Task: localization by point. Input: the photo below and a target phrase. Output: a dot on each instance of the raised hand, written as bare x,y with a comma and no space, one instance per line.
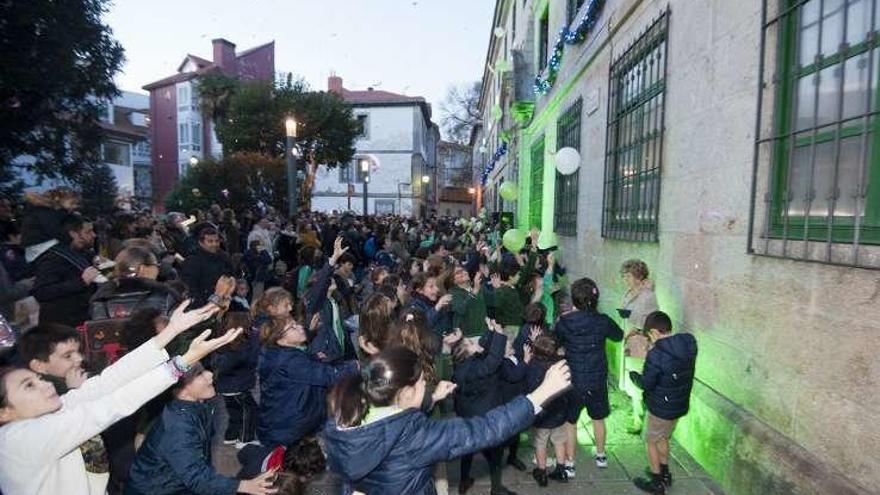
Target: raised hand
494,326
224,287
338,251
201,346
495,280
443,302
443,390
182,320
261,485
451,338
557,379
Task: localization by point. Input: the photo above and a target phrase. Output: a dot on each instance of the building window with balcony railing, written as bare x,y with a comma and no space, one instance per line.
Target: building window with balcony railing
636,105
818,164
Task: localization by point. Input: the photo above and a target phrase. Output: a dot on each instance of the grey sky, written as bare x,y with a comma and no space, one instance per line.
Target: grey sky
416,47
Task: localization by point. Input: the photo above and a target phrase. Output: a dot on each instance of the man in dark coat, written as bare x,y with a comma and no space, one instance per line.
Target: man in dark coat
201,270
667,379
64,276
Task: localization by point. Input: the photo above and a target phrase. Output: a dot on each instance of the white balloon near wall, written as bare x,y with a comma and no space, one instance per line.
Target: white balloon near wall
568,160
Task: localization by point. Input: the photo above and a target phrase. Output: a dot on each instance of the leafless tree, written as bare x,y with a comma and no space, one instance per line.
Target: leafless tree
460,112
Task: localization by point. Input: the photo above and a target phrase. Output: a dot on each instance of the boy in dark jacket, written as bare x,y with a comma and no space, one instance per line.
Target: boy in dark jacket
236,369
476,375
550,423
176,456
667,380
583,333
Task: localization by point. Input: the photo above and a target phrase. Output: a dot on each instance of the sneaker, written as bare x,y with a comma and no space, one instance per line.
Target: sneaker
540,476
516,463
559,474
653,485
601,461
569,470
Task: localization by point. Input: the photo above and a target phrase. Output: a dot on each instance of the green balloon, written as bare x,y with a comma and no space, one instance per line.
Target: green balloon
508,191
514,240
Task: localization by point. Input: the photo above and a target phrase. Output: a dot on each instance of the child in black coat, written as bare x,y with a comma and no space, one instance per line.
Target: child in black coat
551,423
667,380
236,369
476,374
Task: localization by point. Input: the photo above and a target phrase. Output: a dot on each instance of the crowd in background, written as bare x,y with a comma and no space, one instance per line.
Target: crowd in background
377,347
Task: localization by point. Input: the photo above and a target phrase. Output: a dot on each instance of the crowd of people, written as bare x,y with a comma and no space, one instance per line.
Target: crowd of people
376,347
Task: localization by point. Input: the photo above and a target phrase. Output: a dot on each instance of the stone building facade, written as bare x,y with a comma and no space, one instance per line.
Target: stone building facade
730,145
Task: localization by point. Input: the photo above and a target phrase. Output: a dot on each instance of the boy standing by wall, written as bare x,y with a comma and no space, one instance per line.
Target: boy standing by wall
667,380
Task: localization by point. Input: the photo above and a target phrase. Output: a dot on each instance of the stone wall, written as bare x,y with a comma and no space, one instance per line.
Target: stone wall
788,374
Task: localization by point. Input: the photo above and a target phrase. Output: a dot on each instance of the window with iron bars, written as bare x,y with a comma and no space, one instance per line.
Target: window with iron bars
636,107
818,155
536,189
568,135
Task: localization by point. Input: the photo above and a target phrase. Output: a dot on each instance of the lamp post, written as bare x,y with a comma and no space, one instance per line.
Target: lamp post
472,191
365,171
426,179
289,155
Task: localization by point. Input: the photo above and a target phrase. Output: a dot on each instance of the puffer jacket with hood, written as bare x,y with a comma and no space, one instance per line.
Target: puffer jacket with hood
395,455
668,376
583,334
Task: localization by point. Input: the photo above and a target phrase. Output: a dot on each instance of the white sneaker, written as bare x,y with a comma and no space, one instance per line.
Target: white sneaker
569,470
601,461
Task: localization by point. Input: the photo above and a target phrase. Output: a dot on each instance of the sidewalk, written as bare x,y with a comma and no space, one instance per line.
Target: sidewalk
626,460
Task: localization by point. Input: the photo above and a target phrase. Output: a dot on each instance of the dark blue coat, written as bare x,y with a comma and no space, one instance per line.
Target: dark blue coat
477,377
438,321
175,459
555,412
293,392
235,370
395,455
325,341
583,334
668,376
512,378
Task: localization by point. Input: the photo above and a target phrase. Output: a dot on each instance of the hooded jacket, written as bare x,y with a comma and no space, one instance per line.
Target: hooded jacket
478,378
583,335
668,376
395,455
293,391
176,456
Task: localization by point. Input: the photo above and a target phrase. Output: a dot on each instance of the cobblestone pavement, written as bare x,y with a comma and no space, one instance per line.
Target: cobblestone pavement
626,460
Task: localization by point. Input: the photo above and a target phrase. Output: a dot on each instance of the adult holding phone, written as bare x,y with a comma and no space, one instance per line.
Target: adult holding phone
639,300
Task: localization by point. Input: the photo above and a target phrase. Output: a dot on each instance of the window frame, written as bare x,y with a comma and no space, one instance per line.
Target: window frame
828,227
566,187
626,113
543,39
536,184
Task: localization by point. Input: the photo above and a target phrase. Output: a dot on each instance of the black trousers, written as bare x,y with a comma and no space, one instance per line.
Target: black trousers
119,442
242,411
493,456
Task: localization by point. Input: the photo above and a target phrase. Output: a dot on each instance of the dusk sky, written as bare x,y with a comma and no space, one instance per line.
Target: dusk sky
417,47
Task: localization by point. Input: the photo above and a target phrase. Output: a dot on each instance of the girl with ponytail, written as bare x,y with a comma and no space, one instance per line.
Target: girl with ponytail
380,441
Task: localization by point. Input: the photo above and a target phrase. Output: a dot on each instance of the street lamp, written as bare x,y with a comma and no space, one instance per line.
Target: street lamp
289,155
426,179
472,191
193,161
365,172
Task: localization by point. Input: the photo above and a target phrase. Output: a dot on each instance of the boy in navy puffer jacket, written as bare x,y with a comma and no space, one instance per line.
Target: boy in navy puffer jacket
583,333
667,379
236,370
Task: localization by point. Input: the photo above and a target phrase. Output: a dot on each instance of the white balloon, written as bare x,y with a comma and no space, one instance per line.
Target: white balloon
568,160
